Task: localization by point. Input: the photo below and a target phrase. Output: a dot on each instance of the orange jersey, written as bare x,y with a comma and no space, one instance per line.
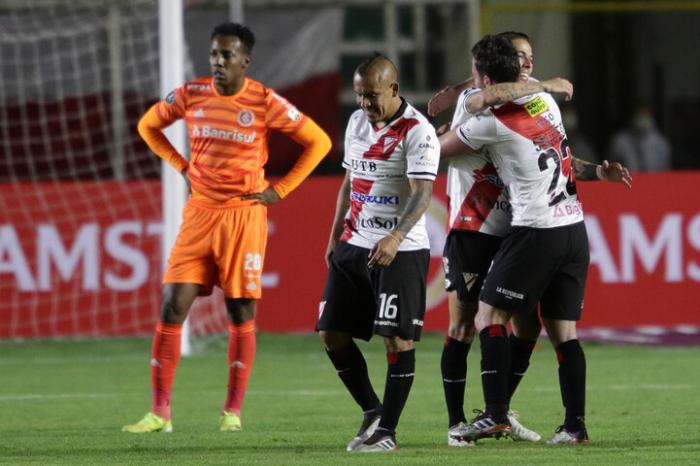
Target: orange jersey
228,135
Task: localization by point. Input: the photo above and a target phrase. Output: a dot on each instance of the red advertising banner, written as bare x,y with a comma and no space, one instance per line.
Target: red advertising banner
83,259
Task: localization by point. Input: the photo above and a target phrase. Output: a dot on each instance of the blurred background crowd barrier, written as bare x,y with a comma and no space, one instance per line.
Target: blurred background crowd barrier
80,194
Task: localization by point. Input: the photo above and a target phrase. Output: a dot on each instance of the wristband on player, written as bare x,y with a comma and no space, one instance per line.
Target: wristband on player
599,172
393,234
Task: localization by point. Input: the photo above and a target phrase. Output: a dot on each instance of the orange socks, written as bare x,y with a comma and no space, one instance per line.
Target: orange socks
241,354
164,358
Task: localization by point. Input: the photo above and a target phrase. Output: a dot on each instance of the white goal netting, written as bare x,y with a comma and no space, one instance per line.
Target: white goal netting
80,195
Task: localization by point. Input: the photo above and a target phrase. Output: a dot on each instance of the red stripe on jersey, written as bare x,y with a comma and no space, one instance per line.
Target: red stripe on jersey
385,145
480,200
357,186
537,129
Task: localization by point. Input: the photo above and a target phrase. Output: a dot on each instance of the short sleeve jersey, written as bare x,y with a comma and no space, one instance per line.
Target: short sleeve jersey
228,134
478,200
527,143
380,162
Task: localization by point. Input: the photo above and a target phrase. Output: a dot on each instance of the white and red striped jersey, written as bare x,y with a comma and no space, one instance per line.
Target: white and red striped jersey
478,200
380,162
527,144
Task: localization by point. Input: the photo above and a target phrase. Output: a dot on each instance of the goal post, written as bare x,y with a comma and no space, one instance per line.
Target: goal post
172,75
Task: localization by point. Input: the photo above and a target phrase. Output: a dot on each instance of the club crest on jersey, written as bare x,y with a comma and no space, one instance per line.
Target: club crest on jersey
389,141
536,107
245,118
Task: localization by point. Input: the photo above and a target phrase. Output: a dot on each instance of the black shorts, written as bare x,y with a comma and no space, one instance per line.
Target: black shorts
387,301
466,260
545,265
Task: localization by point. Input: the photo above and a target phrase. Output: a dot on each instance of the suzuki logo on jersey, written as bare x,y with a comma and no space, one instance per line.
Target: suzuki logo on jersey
379,222
364,165
480,176
207,131
372,199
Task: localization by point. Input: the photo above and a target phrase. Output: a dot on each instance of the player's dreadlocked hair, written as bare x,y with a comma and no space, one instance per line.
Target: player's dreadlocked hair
234,29
495,57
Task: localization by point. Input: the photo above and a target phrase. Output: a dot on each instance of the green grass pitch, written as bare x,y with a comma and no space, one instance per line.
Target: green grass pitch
64,403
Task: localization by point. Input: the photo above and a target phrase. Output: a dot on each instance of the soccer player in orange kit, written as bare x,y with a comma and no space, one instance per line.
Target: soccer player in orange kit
224,230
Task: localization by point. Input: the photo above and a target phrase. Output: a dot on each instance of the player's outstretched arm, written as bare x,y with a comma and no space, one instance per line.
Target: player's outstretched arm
613,172
316,145
505,92
150,127
342,204
451,145
447,96
384,251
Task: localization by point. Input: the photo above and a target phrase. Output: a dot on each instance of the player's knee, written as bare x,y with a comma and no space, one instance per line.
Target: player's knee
464,332
397,344
334,340
461,325
240,310
173,312
527,330
560,331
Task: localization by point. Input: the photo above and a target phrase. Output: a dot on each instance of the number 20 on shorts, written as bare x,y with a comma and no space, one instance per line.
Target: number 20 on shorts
252,261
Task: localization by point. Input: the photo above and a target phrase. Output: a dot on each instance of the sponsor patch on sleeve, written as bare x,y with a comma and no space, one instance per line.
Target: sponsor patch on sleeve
535,107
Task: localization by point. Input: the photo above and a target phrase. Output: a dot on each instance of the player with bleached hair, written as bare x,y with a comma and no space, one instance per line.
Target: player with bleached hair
378,250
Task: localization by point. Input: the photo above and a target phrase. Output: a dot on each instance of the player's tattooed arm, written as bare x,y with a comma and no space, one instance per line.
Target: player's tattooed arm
417,204
613,172
505,92
384,251
584,171
342,205
447,97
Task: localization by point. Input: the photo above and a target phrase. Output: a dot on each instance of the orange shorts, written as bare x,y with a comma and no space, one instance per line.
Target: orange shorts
220,246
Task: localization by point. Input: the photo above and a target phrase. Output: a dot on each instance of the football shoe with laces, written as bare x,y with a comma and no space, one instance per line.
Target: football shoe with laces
229,422
519,432
457,441
562,436
482,426
380,440
367,428
149,423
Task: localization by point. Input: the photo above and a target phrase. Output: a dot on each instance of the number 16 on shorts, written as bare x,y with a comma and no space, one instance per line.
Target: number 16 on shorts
387,307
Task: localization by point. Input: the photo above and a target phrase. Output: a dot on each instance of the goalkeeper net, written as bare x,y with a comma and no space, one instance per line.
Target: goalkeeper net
80,203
